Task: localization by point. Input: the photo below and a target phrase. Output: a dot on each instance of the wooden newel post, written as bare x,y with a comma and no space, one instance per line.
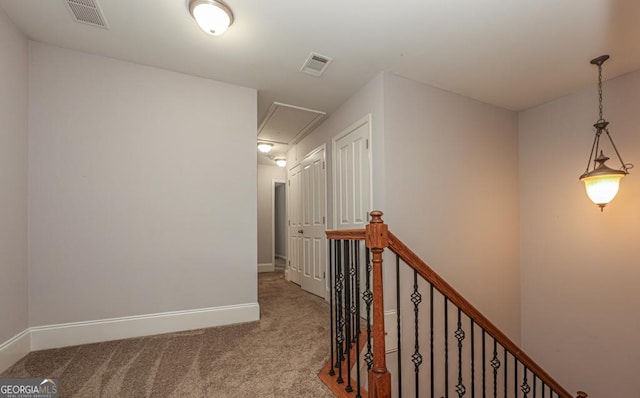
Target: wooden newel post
377,239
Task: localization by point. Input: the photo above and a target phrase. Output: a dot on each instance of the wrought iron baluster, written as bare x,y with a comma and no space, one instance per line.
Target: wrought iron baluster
357,303
484,364
416,358
535,383
431,340
347,308
354,296
459,333
473,369
332,289
367,296
543,388
446,347
398,334
526,389
515,377
506,370
495,364
339,319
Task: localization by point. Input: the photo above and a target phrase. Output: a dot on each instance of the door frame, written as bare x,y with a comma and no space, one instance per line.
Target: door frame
274,182
317,149
366,119
287,273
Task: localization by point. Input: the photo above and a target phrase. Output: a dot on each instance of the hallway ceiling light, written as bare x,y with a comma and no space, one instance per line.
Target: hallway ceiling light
602,182
264,147
281,162
212,16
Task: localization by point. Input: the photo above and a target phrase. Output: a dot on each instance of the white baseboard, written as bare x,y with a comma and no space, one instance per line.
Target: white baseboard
69,334
281,256
13,349
53,336
266,267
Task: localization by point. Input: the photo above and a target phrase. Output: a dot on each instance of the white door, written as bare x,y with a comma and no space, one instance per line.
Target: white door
352,183
313,186
294,204
352,176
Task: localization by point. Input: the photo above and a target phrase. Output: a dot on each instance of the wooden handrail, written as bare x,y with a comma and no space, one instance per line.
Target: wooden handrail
415,262
345,234
378,238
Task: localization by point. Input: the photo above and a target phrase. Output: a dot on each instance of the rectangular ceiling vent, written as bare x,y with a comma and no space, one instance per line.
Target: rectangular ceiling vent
87,11
316,64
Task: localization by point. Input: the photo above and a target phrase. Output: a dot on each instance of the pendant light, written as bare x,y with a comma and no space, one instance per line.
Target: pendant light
602,182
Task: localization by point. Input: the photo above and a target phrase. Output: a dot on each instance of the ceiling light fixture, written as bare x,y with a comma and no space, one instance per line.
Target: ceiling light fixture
281,162
214,17
602,182
264,147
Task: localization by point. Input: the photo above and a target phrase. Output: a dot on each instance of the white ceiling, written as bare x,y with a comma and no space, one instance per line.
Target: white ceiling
514,54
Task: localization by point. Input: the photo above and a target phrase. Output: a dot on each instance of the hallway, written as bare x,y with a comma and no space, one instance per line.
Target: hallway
279,356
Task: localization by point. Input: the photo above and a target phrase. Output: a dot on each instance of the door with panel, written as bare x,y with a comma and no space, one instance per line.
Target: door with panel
294,204
352,182
313,187
352,176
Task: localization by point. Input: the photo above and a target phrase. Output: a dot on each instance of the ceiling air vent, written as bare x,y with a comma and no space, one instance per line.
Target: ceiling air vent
87,11
316,64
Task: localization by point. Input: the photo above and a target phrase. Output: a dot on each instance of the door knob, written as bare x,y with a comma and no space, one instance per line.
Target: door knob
300,231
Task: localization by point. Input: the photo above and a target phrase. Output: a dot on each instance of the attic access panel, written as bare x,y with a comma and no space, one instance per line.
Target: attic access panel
288,124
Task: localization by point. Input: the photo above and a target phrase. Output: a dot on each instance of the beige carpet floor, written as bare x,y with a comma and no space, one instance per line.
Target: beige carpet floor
279,356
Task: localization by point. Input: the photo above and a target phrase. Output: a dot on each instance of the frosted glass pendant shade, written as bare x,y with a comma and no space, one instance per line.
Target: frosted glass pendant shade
602,183
602,189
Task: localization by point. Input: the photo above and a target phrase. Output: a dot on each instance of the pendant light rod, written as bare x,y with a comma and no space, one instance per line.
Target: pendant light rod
602,125
599,61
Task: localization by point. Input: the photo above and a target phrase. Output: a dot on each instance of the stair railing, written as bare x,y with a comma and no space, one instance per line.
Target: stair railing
467,354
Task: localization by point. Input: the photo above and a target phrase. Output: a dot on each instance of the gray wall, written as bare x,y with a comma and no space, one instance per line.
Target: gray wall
13,180
130,171
581,267
451,166
429,149
445,173
266,175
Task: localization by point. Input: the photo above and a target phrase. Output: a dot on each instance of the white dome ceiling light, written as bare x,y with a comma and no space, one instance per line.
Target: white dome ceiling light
212,16
265,147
